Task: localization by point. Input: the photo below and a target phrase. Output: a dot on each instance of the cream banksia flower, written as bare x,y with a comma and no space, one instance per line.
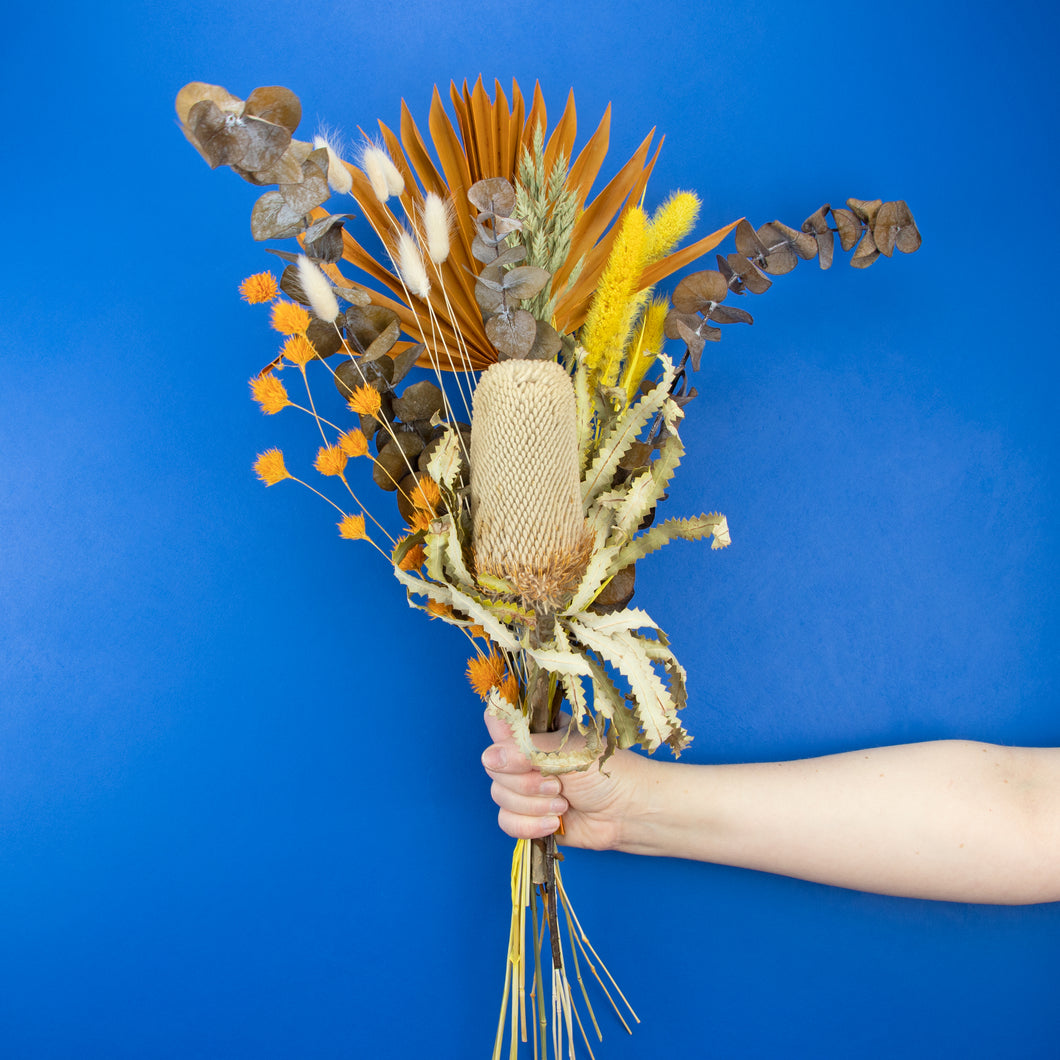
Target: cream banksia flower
528,524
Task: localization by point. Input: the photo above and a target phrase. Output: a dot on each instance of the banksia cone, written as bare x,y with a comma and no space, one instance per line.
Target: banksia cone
528,525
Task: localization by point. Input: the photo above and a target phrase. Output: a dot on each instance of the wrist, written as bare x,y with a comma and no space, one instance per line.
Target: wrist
641,818
666,811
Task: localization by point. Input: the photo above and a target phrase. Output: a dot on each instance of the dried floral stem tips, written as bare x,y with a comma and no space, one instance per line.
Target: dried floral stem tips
289,318
528,526
259,288
352,528
270,468
485,672
269,393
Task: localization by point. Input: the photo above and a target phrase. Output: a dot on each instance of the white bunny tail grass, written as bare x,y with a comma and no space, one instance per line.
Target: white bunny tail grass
410,266
382,174
339,179
317,289
437,221
528,524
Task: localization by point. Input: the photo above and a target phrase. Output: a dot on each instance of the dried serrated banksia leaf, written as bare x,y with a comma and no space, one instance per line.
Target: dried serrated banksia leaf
528,526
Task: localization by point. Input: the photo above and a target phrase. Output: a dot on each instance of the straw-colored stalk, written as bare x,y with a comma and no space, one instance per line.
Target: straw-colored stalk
528,525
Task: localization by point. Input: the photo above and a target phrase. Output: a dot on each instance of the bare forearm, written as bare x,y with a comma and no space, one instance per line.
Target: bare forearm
950,820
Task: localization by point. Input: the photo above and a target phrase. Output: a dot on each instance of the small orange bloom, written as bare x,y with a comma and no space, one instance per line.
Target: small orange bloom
485,672
354,443
261,287
269,393
420,520
331,460
365,400
289,318
270,468
298,350
414,558
352,528
425,494
509,689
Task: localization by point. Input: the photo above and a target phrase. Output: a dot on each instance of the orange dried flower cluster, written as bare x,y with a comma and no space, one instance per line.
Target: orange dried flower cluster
421,520
485,672
365,400
413,559
269,393
261,287
425,494
352,528
298,350
331,460
270,468
354,443
509,689
289,318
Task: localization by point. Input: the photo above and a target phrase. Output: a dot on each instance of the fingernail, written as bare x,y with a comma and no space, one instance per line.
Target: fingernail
550,786
494,757
558,805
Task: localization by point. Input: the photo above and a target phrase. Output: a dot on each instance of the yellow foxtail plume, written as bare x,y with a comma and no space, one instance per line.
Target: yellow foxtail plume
616,303
645,347
670,223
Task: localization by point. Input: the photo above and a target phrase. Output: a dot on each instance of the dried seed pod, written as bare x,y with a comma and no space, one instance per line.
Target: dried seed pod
528,524
513,334
746,275
780,257
396,459
894,227
866,253
420,401
700,291
617,593
865,209
848,226
817,225
747,242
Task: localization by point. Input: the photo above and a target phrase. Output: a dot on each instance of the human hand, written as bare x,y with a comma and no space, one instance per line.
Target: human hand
593,804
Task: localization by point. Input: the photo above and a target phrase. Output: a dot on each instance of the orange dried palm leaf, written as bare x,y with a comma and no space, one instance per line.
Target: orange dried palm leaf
600,214
432,180
454,164
576,300
481,131
411,196
515,126
418,155
538,116
685,256
461,294
461,108
562,139
587,165
502,116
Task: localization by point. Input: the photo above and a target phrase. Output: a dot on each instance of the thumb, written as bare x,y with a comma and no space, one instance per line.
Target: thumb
500,731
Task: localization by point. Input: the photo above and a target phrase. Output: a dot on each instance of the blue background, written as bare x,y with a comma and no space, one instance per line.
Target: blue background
241,812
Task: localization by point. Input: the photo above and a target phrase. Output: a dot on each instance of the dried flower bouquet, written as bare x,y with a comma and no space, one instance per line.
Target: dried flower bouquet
525,519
